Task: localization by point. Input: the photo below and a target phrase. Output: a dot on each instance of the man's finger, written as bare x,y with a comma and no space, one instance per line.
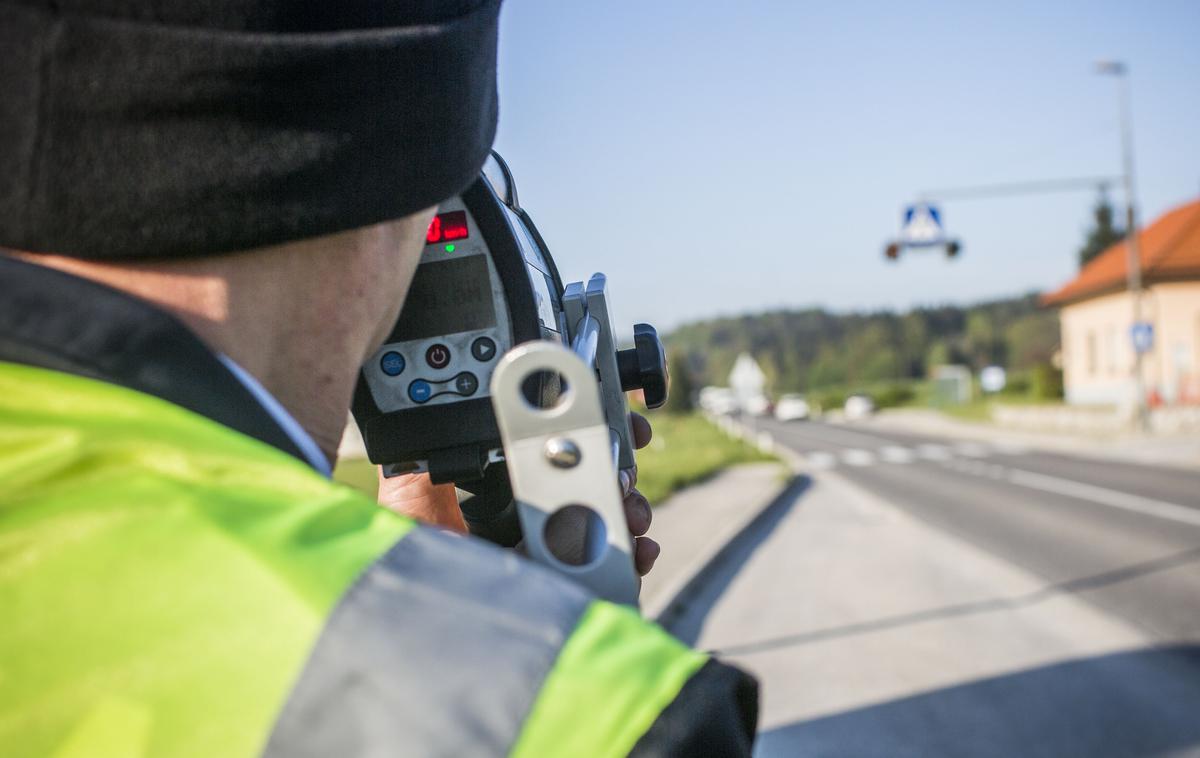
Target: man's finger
637,513
645,553
641,430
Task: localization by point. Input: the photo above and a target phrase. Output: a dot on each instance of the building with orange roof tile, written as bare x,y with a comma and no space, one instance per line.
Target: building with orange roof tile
1096,318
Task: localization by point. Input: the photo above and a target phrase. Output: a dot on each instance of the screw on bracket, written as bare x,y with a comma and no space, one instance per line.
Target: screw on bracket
562,452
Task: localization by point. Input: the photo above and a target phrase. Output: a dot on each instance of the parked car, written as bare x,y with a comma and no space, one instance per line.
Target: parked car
756,405
792,408
858,406
718,400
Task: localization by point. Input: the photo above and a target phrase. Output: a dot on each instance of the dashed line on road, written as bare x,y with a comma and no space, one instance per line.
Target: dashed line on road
934,452
897,454
972,450
1009,448
858,457
821,459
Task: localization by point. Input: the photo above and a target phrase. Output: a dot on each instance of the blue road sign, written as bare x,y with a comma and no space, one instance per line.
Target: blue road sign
922,226
1142,334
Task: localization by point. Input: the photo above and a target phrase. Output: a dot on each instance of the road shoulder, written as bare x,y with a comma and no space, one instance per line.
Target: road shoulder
695,524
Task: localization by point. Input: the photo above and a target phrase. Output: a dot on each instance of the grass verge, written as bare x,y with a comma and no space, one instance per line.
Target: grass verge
686,449
359,473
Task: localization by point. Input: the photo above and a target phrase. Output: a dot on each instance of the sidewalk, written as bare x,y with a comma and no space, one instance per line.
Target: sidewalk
874,634
1179,450
694,524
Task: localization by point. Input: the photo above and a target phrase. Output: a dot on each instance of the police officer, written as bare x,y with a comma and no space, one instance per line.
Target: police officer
211,211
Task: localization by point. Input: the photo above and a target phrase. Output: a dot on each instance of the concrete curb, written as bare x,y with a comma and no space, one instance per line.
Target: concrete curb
669,600
673,602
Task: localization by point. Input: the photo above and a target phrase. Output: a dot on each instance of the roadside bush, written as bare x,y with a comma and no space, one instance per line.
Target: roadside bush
1046,382
828,400
894,396
1019,383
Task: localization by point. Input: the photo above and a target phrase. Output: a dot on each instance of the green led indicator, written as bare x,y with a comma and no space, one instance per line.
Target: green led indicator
449,248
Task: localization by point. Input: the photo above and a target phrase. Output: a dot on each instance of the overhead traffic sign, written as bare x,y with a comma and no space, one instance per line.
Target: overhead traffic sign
922,226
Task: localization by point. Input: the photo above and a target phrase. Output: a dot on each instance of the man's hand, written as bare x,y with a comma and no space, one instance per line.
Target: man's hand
414,495
637,507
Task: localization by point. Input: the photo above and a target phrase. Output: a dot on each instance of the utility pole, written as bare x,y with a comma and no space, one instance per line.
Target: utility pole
1132,243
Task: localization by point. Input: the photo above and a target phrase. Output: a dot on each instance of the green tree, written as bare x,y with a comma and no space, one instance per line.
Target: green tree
680,397
1103,233
915,335
983,340
1031,340
829,369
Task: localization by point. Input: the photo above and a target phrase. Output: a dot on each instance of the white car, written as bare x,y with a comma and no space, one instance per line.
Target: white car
858,406
792,408
718,400
756,405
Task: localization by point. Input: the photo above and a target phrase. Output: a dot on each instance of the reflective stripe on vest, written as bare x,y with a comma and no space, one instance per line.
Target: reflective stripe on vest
174,584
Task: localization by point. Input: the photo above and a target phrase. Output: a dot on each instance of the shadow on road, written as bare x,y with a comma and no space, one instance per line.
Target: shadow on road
1073,586
1136,703
685,613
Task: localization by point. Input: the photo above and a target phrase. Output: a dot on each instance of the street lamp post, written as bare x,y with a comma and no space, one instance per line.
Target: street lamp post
1132,243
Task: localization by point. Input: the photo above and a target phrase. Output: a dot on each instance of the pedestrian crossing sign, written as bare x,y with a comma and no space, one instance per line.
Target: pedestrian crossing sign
922,226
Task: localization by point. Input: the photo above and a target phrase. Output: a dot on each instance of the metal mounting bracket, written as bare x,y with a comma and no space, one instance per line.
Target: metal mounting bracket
563,456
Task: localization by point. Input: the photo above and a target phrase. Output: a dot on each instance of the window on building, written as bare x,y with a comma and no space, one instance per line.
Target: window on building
1110,348
1196,352
1092,361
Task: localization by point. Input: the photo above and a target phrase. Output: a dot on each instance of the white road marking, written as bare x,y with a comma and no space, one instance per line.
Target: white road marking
858,457
896,454
972,450
1010,448
1104,496
821,459
933,452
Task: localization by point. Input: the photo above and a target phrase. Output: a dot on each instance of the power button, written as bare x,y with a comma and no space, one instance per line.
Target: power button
437,356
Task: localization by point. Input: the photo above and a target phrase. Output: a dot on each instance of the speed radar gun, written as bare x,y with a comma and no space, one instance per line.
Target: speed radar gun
501,380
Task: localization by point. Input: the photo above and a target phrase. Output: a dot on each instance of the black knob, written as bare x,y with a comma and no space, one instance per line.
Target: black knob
644,366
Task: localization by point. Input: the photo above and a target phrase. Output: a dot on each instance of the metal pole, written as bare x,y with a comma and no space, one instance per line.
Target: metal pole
1017,188
1133,260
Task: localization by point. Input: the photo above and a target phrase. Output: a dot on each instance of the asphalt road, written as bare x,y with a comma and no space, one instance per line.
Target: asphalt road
1091,525
1056,600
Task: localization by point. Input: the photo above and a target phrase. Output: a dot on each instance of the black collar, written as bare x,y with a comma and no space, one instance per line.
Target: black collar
56,321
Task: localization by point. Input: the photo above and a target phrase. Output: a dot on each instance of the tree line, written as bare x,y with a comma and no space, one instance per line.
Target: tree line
813,349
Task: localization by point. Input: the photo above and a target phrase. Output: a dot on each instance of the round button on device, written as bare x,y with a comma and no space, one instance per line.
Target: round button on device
392,363
420,391
466,383
483,349
437,356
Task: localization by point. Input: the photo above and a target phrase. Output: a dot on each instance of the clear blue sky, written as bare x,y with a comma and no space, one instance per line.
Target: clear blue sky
719,157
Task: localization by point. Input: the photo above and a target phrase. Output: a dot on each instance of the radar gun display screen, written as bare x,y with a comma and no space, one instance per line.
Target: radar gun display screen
447,297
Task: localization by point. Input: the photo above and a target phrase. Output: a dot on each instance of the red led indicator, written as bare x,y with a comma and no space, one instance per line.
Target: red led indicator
447,227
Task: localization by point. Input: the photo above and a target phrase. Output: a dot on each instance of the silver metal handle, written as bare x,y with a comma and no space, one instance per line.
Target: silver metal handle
562,457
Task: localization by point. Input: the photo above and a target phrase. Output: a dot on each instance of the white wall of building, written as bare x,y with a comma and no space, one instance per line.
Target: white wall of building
1098,357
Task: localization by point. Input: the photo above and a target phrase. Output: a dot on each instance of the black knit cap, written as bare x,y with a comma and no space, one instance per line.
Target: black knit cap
171,128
